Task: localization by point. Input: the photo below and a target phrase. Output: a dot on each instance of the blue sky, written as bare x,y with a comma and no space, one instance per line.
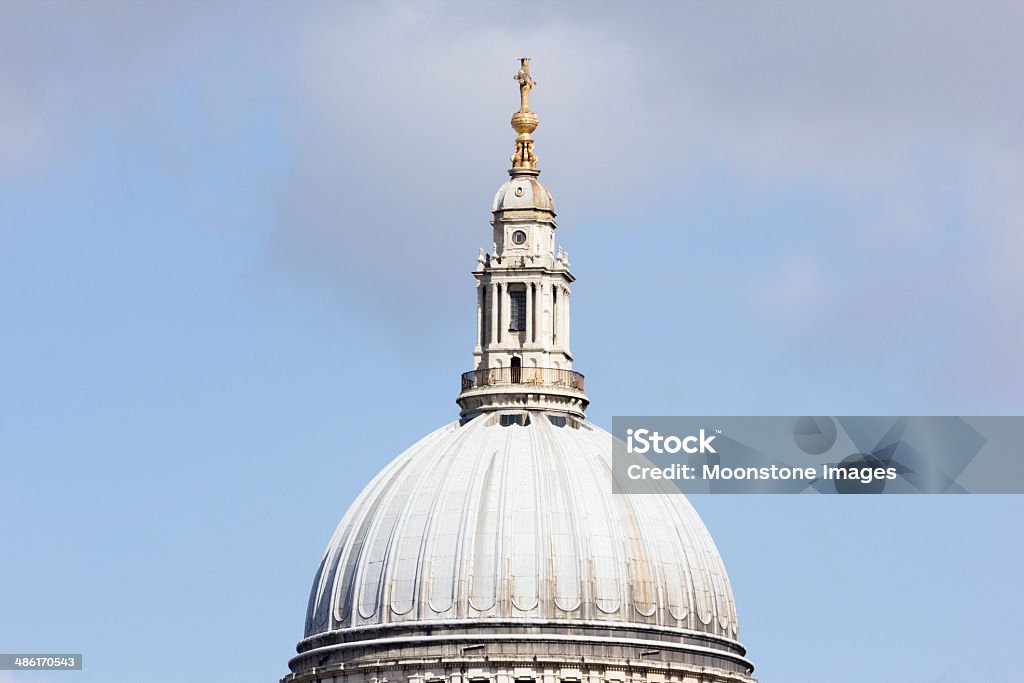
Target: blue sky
234,282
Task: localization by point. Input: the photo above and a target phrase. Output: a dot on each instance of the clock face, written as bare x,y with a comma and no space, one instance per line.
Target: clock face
518,237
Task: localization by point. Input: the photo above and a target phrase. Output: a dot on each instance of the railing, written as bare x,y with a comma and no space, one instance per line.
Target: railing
549,377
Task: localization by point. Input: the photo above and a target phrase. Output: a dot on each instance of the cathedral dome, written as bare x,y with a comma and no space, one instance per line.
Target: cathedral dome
495,524
523,192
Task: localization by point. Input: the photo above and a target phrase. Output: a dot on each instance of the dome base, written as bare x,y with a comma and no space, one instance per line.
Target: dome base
509,652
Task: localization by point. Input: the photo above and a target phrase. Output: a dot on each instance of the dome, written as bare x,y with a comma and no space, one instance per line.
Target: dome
523,192
492,523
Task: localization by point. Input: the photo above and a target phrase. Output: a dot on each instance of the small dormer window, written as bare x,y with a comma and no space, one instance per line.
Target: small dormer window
519,237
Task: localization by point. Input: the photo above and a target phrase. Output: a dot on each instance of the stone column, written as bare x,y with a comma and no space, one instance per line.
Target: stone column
561,317
529,312
493,311
506,309
565,307
538,313
545,315
555,317
537,307
479,318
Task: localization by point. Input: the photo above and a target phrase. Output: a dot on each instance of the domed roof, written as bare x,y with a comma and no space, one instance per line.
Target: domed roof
482,522
523,192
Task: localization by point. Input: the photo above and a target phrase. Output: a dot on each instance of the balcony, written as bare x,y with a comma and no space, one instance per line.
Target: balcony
528,377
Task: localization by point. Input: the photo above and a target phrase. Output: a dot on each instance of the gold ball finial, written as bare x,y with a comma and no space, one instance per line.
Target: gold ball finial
524,122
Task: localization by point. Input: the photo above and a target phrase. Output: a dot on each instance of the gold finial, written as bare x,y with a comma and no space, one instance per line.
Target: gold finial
524,122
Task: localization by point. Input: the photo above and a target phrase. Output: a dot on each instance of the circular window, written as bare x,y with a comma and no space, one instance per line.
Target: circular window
519,237
519,191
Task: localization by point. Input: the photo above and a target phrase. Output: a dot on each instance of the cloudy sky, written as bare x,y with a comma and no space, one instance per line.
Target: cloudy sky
234,255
